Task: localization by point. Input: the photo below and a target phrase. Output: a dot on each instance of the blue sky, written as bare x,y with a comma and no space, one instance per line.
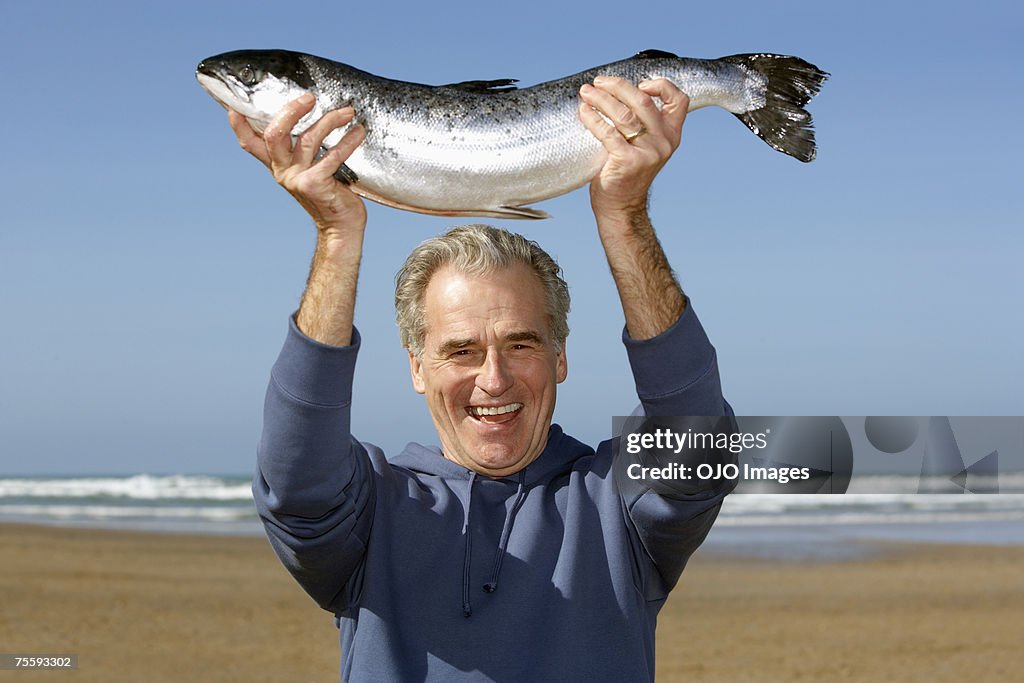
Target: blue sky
147,265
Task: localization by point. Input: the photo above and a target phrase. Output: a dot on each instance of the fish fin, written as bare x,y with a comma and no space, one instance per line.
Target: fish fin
507,212
783,122
521,212
499,212
485,87
346,175
655,54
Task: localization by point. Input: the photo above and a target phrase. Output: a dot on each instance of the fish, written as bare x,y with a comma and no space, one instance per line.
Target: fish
488,147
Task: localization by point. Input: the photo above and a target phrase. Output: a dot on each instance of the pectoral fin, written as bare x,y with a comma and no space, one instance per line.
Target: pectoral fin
346,175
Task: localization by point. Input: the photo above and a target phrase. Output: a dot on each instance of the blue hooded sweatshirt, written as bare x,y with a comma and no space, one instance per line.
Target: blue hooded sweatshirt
434,572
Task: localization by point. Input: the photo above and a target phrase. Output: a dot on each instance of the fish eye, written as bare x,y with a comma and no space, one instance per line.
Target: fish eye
247,75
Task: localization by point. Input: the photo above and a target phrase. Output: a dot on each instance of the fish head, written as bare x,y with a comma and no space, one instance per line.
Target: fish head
257,83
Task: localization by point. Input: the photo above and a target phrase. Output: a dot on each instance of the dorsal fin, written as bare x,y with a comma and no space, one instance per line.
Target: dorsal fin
655,54
485,87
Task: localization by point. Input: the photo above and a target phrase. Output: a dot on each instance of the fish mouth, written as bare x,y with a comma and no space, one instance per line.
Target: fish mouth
223,89
205,69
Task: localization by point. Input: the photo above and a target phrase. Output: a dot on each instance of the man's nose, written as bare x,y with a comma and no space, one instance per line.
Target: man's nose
494,376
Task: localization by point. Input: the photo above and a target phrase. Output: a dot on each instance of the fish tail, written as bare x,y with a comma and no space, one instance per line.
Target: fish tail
782,121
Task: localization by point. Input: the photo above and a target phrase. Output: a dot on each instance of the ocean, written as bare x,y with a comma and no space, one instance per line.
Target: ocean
212,504
851,525
797,526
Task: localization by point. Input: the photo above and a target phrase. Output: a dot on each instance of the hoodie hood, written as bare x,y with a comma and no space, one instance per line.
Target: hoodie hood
558,457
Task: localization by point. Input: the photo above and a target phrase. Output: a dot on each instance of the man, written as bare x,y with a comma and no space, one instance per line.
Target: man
509,553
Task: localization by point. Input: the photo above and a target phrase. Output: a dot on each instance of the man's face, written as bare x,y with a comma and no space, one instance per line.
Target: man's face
488,350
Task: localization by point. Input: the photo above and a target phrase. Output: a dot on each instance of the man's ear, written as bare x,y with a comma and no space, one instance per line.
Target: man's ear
416,372
562,365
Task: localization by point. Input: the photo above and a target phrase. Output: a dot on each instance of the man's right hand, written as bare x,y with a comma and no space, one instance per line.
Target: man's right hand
328,304
335,209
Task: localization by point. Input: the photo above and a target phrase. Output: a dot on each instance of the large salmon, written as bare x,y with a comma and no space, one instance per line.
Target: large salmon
488,148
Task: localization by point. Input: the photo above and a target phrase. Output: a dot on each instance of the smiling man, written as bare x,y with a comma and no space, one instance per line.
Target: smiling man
409,551
486,358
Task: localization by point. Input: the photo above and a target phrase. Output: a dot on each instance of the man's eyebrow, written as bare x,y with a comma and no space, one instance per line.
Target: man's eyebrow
454,345
524,335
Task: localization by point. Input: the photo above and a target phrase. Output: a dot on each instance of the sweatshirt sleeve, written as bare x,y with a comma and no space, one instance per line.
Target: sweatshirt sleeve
313,487
676,374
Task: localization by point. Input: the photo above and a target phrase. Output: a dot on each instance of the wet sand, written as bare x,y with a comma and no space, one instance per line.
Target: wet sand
165,607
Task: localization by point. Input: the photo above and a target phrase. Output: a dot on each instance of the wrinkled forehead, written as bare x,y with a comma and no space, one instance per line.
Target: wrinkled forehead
507,297
514,283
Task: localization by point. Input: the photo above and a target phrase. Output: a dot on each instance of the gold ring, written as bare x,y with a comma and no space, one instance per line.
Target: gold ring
634,136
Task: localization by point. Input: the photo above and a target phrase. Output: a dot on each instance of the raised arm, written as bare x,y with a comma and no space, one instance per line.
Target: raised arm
651,298
314,487
328,305
673,363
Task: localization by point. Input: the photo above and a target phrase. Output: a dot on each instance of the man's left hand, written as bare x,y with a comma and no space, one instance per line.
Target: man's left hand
621,188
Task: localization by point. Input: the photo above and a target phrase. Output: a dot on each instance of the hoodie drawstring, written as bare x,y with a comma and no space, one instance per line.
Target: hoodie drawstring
499,557
506,531
467,609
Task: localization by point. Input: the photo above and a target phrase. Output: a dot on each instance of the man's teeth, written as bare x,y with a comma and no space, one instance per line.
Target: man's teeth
500,410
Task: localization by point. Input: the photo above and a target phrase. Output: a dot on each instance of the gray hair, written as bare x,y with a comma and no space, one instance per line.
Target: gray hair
475,250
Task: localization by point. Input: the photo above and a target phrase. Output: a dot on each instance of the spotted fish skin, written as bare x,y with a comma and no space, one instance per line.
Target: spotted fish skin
488,148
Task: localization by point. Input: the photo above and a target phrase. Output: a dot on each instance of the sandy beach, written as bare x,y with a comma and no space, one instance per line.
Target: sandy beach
165,607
